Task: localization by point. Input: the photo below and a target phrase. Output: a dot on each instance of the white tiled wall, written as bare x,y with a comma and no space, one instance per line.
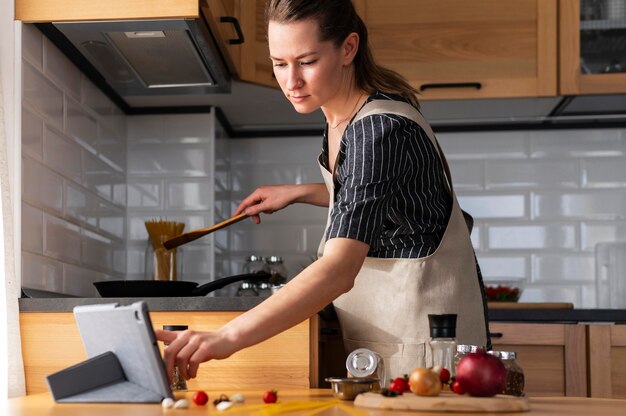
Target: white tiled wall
73,175
170,175
541,201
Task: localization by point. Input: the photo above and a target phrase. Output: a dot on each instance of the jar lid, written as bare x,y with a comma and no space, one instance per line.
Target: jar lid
362,362
175,327
466,348
504,355
273,259
442,326
254,257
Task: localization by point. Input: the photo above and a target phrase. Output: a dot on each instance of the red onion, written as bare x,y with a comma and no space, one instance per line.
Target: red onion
481,374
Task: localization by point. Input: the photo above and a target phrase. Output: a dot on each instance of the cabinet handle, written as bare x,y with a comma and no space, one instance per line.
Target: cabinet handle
496,334
235,22
476,85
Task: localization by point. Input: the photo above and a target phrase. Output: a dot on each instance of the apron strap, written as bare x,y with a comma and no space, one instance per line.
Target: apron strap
406,110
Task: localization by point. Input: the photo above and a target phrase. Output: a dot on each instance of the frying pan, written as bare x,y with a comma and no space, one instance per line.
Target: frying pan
166,288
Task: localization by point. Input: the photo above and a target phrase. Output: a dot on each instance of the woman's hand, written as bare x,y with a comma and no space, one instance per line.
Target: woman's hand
188,349
271,198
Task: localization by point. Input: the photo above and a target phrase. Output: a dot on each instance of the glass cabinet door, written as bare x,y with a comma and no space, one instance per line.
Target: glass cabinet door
592,46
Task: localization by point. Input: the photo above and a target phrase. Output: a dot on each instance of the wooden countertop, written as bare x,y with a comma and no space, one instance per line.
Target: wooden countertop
42,404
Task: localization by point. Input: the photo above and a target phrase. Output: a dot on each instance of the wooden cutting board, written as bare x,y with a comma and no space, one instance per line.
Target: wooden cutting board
445,402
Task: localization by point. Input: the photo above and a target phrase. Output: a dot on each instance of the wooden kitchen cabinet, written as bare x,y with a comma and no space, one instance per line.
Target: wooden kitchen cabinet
467,49
75,10
607,360
553,356
51,342
591,46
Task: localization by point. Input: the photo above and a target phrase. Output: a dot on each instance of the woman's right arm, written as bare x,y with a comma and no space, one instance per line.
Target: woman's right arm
271,198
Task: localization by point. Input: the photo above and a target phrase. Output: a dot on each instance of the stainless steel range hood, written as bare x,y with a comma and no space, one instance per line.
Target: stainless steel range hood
150,57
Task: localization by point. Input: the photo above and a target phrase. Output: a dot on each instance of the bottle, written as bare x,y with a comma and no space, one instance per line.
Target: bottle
443,340
178,382
514,373
253,264
277,270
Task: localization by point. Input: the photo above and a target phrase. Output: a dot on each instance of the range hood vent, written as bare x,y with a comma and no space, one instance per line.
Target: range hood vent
146,57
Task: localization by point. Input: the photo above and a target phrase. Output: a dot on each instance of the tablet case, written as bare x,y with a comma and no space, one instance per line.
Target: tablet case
125,364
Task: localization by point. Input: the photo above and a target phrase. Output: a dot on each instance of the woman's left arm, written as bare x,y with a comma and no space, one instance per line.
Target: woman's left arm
306,294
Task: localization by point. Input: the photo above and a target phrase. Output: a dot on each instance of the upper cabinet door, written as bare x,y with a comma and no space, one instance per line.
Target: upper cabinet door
592,46
467,49
75,10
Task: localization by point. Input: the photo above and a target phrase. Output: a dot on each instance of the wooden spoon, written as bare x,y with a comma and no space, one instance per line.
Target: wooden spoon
195,234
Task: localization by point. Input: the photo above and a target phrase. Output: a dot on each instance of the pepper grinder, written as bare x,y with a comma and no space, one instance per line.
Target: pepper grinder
178,382
443,340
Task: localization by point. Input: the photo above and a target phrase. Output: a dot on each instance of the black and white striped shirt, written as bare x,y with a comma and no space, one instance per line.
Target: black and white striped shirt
390,188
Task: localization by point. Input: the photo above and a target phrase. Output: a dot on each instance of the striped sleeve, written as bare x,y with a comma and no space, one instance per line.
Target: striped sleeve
372,153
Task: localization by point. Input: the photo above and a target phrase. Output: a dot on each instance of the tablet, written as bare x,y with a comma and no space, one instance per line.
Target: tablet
110,333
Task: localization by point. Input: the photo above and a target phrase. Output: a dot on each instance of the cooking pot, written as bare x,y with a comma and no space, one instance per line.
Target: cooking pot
167,288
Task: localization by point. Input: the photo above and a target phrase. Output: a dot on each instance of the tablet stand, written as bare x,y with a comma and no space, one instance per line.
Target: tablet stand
98,379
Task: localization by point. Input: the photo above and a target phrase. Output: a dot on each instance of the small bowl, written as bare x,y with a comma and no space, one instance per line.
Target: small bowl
349,388
504,290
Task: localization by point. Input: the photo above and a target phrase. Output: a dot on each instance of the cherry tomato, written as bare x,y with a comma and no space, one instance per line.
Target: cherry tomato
270,396
456,387
200,398
399,385
444,375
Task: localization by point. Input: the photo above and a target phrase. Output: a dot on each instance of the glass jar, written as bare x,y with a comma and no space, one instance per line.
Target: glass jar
514,373
161,263
253,264
277,270
178,382
464,349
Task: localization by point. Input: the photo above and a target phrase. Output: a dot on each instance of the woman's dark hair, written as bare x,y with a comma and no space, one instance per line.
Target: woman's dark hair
336,19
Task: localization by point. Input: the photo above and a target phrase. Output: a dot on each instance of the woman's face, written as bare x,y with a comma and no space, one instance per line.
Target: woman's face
309,72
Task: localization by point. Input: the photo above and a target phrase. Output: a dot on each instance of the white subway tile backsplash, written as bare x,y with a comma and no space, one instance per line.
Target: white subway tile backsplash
503,267
118,251
197,260
32,229
272,151
79,281
81,125
145,193
189,194
95,100
576,143
41,273
112,148
170,160
467,175
41,95
532,237
249,177
32,45
80,205
62,239
41,187
179,128
280,239
594,232
98,176
485,145
112,219
63,155
553,293
604,173
532,174
564,268
584,205
61,70
491,205
135,260
32,134
96,252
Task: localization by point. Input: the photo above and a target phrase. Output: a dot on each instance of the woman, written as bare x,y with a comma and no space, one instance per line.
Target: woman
396,246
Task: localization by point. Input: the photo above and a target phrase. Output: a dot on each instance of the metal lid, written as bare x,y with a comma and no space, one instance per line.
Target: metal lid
504,355
273,259
466,348
254,257
362,362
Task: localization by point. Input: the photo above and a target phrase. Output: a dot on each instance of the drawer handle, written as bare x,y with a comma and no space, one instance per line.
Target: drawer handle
476,85
235,22
496,334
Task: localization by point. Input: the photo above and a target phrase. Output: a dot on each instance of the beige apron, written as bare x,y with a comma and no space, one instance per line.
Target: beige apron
387,309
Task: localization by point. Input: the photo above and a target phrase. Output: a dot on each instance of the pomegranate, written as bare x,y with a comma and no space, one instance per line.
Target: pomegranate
481,374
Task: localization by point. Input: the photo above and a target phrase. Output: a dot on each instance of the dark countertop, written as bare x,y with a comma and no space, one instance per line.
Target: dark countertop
209,303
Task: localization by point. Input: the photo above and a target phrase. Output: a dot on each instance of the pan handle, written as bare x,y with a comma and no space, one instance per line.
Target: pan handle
207,288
